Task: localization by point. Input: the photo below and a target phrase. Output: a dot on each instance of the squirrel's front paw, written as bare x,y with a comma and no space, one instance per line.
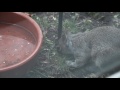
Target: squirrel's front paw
71,64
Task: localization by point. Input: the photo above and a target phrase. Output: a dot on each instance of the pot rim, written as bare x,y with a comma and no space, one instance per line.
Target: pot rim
38,46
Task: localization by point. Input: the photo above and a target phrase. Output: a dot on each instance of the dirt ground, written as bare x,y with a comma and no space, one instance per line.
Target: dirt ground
50,63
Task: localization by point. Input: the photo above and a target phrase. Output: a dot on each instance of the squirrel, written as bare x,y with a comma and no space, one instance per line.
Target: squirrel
97,45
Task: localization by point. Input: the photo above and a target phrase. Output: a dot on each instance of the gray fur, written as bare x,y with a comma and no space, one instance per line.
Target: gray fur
97,45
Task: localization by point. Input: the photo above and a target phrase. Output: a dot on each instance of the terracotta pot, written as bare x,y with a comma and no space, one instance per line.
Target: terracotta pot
20,40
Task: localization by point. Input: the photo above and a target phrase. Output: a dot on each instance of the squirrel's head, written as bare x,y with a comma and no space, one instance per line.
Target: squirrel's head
64,42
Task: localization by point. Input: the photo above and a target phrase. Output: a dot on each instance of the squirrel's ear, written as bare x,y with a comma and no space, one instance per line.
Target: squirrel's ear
63,36
67,33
